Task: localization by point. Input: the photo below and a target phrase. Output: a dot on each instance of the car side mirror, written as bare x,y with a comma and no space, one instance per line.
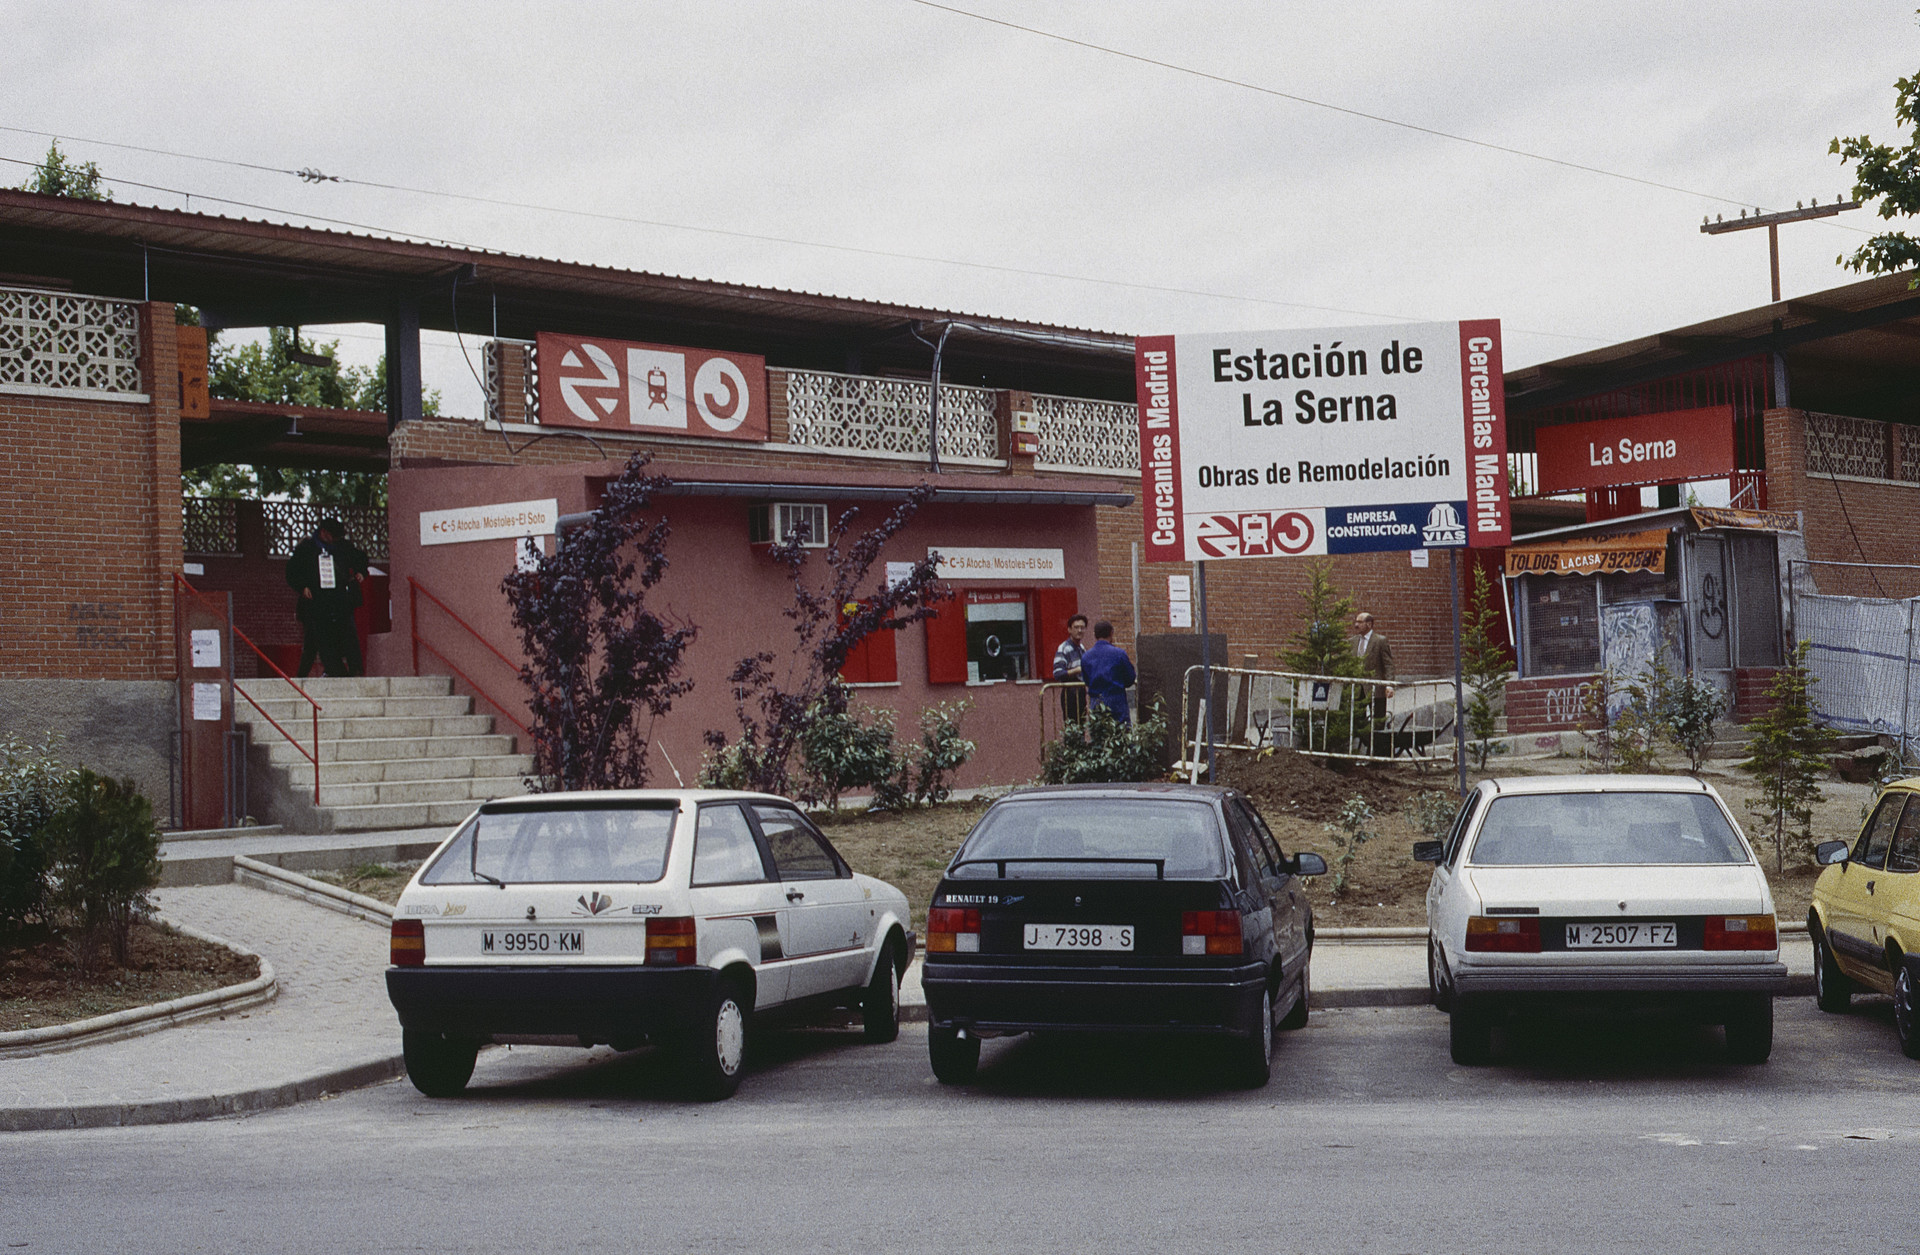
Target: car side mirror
1828,853
1429,851
1305,864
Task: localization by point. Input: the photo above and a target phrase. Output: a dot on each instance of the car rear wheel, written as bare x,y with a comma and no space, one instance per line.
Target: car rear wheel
1750,1030
1470,1033
439,1066
1904,1010
713,1055
955,1057
880,1007
1250,1058
1437,989
1832,988
1296,1017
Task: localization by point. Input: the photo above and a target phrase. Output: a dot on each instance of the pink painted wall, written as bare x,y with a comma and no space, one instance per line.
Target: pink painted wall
730,591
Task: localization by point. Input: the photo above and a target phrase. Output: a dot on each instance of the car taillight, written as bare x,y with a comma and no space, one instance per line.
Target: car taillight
1740,932
670,941
408,943
1210,932
953,930
1503,936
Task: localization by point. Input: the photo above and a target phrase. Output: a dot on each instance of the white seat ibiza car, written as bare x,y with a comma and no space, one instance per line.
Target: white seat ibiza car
676,917
1600,894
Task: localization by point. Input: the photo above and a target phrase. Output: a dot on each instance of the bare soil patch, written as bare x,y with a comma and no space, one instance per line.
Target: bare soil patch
39,988
380,881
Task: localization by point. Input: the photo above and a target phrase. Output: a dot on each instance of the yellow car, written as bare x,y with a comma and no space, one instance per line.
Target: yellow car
1865,920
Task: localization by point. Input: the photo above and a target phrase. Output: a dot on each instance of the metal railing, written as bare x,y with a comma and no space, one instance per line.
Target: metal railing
415,591
180,585
60,342
1323,715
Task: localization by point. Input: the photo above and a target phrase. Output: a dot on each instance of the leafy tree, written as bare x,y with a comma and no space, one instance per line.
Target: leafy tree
829,622
1789,756
1484,663
1891,175
264,371
57,176
597,658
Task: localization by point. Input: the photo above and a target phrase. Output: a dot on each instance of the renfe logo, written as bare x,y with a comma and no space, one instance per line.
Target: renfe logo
618,385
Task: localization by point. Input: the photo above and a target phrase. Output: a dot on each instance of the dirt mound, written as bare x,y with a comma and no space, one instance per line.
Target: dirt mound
1286,783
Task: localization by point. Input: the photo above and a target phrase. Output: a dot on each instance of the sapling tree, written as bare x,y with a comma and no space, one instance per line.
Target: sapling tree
1788,756
1351,828
1484,664
597,658
777,703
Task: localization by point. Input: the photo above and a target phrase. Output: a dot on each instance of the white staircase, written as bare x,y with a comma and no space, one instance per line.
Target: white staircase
395,752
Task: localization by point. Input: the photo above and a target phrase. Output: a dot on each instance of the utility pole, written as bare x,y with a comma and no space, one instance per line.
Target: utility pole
1772,223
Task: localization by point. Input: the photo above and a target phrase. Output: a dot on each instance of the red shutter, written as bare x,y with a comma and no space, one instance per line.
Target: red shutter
1052,607
873,660
947,644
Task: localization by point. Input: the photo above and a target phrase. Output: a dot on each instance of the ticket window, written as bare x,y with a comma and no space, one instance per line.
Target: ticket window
988,635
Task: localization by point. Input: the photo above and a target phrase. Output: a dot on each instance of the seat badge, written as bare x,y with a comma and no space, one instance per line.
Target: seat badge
1623,906
529,915
1076,901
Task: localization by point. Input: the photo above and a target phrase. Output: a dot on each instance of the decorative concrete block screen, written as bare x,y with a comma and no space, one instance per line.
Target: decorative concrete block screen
1077,434
56,342
866,414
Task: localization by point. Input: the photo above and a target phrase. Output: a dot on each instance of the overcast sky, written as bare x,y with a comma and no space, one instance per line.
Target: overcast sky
1153,200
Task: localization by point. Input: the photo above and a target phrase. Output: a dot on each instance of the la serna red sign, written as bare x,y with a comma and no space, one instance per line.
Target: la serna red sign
1665,448
618,385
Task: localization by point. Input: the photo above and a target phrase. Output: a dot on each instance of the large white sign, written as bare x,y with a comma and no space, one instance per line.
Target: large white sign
1001,564
1259,444
489,522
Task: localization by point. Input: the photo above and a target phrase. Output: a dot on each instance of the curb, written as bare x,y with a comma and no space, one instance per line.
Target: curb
138,1021
258,875
204,1107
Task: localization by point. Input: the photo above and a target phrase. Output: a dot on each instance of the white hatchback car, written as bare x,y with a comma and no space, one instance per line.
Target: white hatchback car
668,916
1619,894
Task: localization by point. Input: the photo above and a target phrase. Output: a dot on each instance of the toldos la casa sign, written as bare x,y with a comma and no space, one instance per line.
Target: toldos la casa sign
619,385
1344,440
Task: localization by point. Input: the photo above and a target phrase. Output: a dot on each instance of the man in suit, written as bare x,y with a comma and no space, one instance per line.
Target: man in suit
1376,663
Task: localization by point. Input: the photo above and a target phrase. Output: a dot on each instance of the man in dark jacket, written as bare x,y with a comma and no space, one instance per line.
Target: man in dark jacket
325,573
1107,671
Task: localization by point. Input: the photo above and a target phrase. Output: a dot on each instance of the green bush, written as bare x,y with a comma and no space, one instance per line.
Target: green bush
1099,749
839,752
1350,829
103,852
32,787
925,773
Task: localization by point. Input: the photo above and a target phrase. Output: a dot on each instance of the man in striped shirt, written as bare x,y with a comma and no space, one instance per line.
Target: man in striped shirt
1066,666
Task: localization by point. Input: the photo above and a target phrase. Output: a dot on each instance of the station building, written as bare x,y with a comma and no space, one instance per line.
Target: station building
765,408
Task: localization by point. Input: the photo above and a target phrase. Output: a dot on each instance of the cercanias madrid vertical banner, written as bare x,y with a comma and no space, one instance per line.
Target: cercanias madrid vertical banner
1339,440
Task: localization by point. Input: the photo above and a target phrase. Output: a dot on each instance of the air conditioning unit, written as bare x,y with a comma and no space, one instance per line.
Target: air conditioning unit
788,521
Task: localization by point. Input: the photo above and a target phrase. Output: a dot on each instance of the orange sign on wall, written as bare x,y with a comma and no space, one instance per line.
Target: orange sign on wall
1599,555
1666,448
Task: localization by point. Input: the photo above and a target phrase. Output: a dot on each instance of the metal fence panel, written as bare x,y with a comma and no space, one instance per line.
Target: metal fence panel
1862,658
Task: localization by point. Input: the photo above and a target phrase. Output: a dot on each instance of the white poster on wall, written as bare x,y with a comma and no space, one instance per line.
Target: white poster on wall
961,563
206,702
205,647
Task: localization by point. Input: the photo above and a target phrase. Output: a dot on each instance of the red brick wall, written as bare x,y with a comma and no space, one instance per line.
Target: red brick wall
1845,520
91,527
1548,703
1750,691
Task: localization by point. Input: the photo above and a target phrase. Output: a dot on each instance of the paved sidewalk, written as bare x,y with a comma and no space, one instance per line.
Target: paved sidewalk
331,1028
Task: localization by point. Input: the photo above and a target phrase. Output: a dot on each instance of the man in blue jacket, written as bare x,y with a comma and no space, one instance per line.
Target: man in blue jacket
1107,671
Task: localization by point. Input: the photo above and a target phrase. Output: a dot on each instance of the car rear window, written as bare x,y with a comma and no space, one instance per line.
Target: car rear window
1605,829
1039,831
559,846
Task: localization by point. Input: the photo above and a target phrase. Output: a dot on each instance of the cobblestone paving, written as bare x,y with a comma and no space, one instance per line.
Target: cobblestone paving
332,1013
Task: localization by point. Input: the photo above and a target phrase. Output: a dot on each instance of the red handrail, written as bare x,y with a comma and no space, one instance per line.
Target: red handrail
180,582
415,591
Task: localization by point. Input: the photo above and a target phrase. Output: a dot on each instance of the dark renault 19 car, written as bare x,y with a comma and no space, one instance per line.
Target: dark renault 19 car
1119,908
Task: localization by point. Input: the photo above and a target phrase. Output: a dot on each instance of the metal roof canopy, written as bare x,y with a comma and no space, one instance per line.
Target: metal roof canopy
1851,350
252,274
